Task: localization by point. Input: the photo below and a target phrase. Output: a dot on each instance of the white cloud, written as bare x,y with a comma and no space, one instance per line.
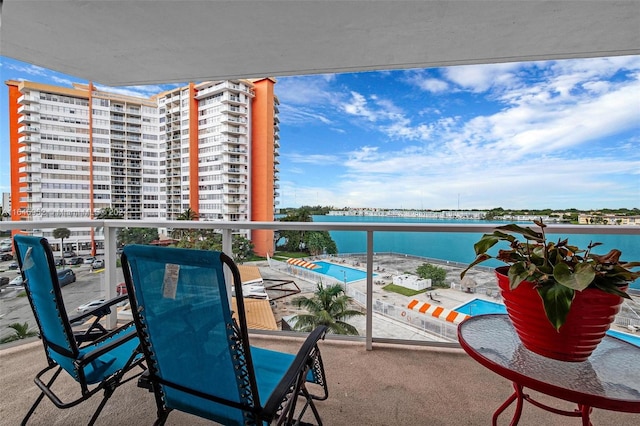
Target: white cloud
434,85
31,70
357,106
298,115
424,80
480,78
62,81
311,158
139,91
309,90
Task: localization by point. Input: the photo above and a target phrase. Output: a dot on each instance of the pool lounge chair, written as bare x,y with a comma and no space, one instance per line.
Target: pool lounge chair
200,360
97,359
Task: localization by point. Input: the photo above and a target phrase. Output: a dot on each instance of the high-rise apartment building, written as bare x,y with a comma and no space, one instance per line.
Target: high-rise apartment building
210,147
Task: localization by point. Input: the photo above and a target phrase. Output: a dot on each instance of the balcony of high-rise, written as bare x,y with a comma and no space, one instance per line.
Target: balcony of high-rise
397,382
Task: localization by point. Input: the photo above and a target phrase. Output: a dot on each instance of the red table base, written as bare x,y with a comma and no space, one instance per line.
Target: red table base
519,396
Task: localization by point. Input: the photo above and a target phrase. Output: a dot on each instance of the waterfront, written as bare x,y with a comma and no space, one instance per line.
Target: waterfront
456,247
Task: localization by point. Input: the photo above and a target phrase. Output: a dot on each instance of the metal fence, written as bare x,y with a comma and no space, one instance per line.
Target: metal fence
401,314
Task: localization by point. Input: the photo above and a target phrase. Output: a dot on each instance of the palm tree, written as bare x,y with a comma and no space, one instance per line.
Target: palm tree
188,214
20,331
328,306
61,233
187,236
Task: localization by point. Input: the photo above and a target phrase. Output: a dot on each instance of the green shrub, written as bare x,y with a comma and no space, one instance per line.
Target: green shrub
435,273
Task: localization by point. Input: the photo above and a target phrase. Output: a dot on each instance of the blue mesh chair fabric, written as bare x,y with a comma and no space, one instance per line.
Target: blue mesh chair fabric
200,360
101,362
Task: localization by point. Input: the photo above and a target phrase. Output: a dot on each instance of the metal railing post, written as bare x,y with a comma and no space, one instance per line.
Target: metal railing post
227,248
369,323
110,272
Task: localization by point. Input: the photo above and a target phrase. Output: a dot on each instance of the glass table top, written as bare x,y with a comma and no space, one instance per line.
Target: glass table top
612,372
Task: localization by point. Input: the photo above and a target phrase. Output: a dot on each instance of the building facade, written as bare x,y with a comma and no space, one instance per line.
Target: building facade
210,147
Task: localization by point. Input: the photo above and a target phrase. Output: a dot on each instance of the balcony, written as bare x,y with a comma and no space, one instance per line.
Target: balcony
28,99
29,139
377,379
28,129
27,107
29,118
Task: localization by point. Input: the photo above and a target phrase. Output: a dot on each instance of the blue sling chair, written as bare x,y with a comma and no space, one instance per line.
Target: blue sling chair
98,360
198,352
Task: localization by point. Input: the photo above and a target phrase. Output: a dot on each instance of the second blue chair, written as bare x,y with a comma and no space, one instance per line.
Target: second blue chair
199,357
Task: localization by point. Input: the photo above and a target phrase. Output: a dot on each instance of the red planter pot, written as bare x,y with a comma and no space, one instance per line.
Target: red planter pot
591,314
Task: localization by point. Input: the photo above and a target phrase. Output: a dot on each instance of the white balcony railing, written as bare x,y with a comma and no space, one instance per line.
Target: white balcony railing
110,228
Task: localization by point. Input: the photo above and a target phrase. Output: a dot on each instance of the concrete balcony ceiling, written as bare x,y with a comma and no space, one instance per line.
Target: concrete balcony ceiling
131,42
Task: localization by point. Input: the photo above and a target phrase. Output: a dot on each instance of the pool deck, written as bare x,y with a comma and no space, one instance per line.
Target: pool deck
386,266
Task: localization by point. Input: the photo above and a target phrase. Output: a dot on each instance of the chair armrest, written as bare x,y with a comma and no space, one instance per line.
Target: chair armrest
98,352
99,311
296,368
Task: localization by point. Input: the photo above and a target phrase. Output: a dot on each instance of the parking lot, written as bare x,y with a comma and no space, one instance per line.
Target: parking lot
14,305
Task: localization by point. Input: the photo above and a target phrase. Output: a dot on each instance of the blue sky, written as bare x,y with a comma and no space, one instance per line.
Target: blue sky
553,134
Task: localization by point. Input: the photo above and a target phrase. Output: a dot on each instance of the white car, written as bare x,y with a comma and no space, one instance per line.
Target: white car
97,264
17,281
88,306
89,260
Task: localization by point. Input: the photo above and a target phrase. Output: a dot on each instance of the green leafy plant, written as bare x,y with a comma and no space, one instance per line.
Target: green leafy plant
557,269
20,331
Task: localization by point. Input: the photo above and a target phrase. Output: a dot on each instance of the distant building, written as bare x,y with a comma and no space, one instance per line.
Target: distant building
212,147
607,219
6,206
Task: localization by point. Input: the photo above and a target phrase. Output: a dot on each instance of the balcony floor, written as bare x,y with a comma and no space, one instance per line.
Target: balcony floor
391,385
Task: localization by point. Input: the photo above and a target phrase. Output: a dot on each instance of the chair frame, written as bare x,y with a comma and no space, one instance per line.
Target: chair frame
280,408
94,334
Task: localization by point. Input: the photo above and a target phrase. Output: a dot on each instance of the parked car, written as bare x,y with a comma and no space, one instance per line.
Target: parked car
61,262
89,260
6,256
17,281
97,264
69,254
14,265
66,276
75,261
88,306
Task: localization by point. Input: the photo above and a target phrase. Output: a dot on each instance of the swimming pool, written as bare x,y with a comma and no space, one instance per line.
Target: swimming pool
480,307
340,272
631,338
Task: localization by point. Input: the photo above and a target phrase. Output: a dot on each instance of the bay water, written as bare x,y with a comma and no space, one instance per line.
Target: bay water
456,247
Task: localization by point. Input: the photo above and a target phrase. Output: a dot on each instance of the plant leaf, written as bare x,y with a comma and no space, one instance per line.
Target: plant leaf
519,272
485,243
581,277
556,299
481,258
528,233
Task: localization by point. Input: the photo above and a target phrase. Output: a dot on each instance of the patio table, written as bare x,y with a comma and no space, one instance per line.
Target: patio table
609,379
